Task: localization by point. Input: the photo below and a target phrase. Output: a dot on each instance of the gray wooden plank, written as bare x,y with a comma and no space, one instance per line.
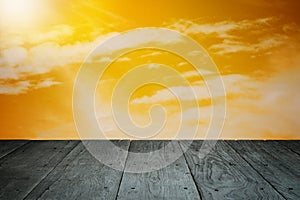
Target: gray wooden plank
222,174
81,176
293,145
21,170
8,146
277,164
171,182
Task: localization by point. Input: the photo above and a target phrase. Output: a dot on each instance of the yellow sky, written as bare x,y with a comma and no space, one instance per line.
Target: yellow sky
254,44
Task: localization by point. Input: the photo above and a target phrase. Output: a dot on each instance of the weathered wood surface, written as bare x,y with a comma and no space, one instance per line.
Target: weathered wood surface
222,174
277,164
7,147
81,176
232,170
293,145
23,169
171,182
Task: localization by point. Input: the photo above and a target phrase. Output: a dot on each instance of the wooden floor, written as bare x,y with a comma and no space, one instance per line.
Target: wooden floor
232,170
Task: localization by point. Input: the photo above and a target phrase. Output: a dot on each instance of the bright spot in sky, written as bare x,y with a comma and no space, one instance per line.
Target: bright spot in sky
21,12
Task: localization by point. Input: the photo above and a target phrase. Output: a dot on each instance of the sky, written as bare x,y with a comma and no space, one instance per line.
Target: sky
255,44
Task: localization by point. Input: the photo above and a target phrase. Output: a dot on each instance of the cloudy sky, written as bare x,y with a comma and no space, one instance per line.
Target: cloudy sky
254,43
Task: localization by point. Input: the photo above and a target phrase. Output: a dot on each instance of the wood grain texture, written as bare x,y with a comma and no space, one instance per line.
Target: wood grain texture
232,170
7,147
276,163
81,176
293,145
222,174
171,182
23,169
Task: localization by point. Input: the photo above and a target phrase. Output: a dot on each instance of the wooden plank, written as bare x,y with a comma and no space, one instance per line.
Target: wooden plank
9,146
171,182
222,174
293,145
23,169
81,176
277,164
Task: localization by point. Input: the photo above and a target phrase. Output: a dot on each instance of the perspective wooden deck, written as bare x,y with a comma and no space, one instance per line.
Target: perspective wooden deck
232,170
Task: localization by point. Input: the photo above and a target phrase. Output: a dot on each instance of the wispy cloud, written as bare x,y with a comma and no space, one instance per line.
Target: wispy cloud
223,29
233,84
184,94
253,36
151,54
46,83
18,63
230,46
261,108
15,87
271,112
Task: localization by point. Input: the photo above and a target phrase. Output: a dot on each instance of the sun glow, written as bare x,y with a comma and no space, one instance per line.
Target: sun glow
20,13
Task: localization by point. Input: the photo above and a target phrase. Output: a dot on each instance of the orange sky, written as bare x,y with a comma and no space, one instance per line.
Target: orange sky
255,45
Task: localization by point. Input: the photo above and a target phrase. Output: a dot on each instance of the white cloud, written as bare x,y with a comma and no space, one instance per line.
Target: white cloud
123,59
17,88
190,74
231,34
44,57
141,38
21,87
232,82
56,34
18,63
151,54
272,112
183,93
153,65
230,46
222,29
13,56
104,59
46,83
182,64
256,109
8,73
195,53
